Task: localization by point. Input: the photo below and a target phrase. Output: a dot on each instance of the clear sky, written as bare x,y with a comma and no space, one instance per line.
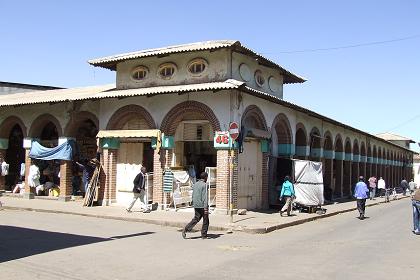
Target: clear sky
374,87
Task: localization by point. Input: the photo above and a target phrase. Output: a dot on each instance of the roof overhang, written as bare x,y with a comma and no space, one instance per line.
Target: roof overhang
144,133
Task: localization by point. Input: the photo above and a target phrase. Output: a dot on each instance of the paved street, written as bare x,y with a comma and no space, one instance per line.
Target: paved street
57,246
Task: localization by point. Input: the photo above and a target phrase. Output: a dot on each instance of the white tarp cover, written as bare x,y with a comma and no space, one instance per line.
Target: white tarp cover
309,185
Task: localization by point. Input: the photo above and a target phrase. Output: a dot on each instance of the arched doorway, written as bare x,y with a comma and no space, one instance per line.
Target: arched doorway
301,150
328,169
338,167
315,150
347,179
280,160
125,162
355,164
253,178
15,156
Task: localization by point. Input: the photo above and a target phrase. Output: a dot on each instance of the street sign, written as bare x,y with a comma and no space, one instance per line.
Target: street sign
233,130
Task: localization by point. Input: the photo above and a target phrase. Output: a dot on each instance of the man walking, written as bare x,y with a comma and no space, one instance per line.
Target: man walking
201,207
416,211
413,186
360,193
139,191
381,186
372,187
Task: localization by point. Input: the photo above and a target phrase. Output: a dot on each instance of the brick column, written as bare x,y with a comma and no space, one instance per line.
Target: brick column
222,181
65,180
108,184
2,178
158,160
29,192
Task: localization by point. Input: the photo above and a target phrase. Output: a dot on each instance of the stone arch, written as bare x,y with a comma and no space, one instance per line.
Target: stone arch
76,119
7,125
348,149
40,122
124,114
338,147
315,138
282,128
362,149
328,143
301,135
254,117
356,147
180,111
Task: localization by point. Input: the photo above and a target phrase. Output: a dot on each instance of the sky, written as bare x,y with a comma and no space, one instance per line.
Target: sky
361,58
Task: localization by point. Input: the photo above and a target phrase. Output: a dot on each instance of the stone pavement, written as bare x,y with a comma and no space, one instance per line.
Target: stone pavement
252,222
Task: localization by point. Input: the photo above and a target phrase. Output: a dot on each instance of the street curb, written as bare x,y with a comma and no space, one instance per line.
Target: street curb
262,230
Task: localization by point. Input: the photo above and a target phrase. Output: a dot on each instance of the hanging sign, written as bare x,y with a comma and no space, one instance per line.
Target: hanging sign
233,130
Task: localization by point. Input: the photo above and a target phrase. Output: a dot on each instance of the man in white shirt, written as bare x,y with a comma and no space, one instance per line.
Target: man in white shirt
381,186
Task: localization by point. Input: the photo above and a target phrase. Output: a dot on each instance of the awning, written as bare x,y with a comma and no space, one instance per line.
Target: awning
144,133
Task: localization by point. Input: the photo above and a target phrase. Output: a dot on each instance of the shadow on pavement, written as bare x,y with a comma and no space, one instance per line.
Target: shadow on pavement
18,242
209,236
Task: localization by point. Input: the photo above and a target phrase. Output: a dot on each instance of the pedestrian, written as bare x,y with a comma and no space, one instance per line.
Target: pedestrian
416,211
360,193
404,186
287,192
87,167
139,191
381,186
372,187
201,207
413,186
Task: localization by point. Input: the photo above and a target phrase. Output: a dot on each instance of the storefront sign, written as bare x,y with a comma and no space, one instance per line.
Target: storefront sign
168,142
110,143
4,143
223,141
234,130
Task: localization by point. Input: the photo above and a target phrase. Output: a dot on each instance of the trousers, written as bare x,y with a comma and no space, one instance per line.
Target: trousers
198,214
288,205
416,215
361,204
141,196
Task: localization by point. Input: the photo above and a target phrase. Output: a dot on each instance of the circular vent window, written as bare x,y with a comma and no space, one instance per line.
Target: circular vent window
244,72
259,79
197,66
139,73
167,70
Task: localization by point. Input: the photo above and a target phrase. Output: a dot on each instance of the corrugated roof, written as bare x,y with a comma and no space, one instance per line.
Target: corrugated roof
394,137
107,91
110,62
145,133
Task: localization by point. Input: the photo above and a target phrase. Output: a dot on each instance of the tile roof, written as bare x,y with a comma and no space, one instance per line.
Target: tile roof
394,137
110,62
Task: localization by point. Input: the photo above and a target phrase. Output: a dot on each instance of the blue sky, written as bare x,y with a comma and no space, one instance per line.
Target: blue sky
373,88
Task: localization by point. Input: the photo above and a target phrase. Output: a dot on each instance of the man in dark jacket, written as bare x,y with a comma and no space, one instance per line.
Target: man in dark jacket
201,207
139,191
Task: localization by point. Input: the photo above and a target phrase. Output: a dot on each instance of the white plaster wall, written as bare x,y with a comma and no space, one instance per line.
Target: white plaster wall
267,72
217,69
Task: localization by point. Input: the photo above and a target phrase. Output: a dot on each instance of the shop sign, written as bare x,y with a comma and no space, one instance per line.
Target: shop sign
168,142
222,140
234,130
110,143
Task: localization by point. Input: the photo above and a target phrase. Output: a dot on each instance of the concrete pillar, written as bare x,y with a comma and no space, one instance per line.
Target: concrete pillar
65,180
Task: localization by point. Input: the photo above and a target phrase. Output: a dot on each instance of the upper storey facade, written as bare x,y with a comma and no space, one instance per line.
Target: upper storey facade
203,62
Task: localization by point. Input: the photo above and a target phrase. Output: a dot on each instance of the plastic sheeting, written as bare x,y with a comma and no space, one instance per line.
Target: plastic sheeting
63,151
309,184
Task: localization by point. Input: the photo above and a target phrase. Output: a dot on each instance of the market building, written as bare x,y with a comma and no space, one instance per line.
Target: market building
168,109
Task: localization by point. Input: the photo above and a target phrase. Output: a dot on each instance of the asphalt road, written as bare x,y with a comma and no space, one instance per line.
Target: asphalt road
53,246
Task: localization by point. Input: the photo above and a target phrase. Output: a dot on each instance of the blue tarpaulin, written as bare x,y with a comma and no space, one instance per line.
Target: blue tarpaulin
63,151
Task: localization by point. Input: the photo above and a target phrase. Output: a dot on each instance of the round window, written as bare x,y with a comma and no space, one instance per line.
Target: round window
167,70
139,73
197,66
245,73
259,79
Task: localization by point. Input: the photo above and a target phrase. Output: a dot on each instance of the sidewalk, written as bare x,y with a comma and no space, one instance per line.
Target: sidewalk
252,222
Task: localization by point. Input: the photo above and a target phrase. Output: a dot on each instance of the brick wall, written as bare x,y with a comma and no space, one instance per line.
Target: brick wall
158,160
222,181
108,177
